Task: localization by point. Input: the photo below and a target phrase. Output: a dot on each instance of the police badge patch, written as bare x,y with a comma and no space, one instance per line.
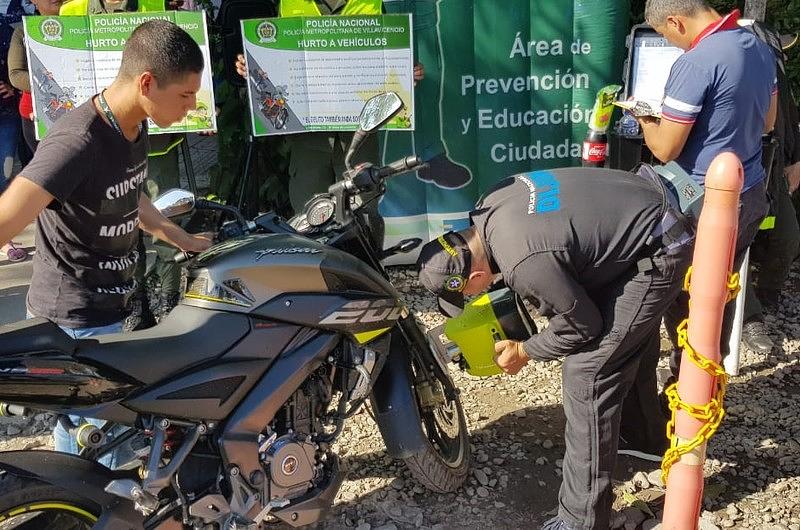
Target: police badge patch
454,283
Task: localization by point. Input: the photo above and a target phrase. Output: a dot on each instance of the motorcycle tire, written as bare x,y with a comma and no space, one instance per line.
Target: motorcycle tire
443,465
28,504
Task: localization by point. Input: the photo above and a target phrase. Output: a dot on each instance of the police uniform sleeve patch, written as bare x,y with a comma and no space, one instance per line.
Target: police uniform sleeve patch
454,283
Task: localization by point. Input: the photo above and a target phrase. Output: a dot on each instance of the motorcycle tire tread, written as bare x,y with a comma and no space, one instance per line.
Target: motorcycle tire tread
429,469
19,492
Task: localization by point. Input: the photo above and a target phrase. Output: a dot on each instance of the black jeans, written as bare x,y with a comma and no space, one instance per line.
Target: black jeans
614,372
753,207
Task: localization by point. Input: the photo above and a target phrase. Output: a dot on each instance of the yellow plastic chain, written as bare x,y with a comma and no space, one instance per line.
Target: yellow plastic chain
733,284
712,412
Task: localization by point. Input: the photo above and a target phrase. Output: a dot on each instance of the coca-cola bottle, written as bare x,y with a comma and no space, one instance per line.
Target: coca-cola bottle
595,147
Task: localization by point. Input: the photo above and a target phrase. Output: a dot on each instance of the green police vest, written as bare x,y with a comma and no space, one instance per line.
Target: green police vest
81,7
308,8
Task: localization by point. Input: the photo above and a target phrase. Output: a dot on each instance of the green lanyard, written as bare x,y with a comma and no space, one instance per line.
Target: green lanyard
110,115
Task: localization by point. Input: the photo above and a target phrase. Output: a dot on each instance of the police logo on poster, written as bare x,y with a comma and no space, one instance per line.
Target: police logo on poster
52,30
266,32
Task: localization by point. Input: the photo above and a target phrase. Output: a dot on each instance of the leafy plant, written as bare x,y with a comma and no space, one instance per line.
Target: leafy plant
268,173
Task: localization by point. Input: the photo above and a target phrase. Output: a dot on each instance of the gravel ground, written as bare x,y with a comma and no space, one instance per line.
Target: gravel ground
516,424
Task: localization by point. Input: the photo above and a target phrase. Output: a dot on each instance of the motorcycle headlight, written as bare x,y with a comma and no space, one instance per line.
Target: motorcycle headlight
233,292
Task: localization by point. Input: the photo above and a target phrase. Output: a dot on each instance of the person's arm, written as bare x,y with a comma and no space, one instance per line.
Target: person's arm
684,95
152,222
19,206
18,62
665,138
772,113
574,319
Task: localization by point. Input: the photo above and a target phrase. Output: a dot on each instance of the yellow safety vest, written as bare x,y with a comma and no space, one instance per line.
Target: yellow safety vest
81,7
308,8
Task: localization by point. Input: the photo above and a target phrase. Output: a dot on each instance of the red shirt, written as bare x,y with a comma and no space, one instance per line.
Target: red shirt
26,105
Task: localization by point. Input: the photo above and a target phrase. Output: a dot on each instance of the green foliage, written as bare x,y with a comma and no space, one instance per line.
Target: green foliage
268,173
267,185
782,15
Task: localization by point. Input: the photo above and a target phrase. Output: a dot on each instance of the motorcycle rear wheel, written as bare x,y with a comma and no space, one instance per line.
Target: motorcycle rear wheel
443,465
27,504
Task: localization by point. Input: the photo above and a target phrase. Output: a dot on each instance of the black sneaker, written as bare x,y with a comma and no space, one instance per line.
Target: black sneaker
755,337
556,523
651,452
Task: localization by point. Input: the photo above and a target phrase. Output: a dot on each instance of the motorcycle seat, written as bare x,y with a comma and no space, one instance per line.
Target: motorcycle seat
186,336
35,335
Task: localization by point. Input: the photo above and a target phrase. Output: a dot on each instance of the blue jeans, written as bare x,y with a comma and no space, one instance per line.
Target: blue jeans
9,135
66,443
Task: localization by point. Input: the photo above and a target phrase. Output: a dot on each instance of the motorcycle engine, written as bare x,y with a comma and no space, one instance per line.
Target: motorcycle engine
292,461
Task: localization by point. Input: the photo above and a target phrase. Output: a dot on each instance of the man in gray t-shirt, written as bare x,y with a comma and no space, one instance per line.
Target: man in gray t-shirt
84,185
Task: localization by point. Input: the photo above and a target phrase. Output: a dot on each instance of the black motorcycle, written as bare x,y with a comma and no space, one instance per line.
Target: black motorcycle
231,404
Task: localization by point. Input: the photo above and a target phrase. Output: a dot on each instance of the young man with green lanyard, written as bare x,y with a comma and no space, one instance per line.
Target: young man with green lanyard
163,170
85,183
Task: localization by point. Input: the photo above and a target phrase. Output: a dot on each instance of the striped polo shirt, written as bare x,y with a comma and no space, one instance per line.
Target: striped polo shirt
722,86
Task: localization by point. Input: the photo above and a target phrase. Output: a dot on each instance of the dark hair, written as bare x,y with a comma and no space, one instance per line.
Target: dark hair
163,49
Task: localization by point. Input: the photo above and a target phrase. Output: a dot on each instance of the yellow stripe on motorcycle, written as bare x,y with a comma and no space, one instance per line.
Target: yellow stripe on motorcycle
367,336
768,223
42,506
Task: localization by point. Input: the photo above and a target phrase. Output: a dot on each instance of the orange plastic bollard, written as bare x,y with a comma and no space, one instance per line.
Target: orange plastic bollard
708,292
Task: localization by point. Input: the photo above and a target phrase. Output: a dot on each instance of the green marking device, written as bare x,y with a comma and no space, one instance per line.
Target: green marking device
469,338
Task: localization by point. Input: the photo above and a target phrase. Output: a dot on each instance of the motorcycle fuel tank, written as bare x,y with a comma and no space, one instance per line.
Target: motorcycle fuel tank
247,273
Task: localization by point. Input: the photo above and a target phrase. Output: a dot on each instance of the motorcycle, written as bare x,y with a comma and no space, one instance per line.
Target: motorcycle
230,406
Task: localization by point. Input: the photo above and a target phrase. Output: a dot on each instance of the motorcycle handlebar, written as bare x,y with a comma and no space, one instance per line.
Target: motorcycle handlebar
408,163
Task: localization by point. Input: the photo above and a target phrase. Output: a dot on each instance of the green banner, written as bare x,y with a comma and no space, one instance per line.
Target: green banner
508,88
72,58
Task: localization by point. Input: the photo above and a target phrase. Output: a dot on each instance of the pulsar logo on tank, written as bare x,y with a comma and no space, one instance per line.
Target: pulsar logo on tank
290,250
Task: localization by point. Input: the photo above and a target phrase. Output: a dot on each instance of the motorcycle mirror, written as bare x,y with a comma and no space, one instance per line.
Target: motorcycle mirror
378,110
174,202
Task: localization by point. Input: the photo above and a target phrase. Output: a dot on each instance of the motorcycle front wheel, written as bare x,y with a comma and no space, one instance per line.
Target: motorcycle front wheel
27,504
443,465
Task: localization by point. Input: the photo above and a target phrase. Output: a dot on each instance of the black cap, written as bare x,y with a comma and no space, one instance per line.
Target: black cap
444,266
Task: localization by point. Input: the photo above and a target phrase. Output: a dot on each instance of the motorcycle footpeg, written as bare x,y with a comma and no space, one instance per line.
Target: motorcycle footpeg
90,436
8,410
